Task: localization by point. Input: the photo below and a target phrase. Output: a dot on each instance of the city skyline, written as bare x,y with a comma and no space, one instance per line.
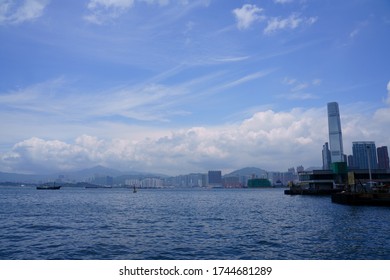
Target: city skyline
184,86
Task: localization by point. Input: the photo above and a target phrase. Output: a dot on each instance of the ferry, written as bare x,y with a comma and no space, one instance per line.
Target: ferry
47,187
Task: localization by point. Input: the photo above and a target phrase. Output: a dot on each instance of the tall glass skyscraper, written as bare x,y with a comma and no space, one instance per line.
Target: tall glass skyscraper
326,161
364,155
335,135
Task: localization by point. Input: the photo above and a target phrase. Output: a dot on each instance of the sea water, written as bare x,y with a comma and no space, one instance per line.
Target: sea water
100,224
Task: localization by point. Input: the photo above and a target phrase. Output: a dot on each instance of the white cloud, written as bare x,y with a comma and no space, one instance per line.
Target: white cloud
283,1
116,4
358,29
300,87
14,13
354,33
269,139
102,11
160,2
247,15
289,81
56,108
316,82
232,59
292,22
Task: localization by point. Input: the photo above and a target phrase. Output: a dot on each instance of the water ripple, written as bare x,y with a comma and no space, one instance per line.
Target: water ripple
187,224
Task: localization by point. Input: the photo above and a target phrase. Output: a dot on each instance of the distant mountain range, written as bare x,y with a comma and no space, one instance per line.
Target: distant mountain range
248,171
76,176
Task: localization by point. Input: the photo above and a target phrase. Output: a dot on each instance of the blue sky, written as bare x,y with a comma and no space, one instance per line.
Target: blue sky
179,86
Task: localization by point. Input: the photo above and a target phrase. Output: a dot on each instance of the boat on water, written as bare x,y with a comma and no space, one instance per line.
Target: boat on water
97,187
48,187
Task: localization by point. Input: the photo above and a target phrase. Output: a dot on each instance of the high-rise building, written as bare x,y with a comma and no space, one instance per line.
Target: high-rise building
215,177
326,160
335,135
383,157
364,155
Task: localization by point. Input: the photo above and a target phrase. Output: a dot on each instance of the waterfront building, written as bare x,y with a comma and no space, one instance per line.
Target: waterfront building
326,159
133,182
335,134
187,181
151,183
317,180
322,181
231,182
383,157
364,155
194,180
283,177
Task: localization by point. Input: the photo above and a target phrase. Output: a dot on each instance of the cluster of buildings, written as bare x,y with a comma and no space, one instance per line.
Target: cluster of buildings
365,155
211,179
215,179
367,162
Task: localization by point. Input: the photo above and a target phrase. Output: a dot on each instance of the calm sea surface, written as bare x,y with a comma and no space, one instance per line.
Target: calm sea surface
75,223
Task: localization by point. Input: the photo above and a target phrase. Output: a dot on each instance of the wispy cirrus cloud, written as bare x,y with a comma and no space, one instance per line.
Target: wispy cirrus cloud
152,100
150,105
298,90
102,11
292,22
144,102
231,59
248,78
354,33
12,12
